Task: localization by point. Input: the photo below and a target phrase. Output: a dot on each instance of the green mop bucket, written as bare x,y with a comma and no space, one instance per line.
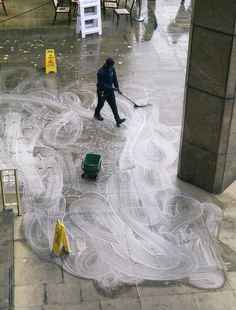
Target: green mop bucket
91,165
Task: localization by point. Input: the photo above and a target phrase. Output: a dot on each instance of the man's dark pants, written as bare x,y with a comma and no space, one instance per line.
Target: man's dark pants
111,100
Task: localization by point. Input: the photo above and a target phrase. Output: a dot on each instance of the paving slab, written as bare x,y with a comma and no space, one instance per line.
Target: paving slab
231,276
166,288
22,249
170,302
68,278
29,308
121,304
32,270
63,293
29,295
4,297
18,228
216,301
79,306
227,234
89,291
163,290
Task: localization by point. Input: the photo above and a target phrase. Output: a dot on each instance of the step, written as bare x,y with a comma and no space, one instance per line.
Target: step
6,259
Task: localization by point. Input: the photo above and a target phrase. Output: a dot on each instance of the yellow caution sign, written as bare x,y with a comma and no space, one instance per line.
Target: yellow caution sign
60,239
50,61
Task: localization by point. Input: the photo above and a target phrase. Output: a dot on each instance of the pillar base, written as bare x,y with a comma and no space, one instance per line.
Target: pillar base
139,18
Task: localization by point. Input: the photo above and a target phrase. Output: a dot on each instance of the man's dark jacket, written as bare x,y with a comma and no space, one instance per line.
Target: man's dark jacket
106,78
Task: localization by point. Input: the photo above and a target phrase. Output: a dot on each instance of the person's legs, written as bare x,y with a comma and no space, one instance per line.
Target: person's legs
99,106
111,99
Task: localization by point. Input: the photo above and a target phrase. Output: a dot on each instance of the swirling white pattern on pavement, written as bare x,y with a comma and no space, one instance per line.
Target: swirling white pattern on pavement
131,226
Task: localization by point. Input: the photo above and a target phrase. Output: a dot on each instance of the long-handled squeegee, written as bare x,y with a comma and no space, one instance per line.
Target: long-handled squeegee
135,104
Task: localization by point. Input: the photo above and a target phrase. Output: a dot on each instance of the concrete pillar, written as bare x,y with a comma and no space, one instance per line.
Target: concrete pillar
208,142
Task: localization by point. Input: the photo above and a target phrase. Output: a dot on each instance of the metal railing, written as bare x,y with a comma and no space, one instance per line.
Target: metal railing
9,186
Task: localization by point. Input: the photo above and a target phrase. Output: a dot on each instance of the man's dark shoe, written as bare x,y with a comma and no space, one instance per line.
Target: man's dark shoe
120,121
98,117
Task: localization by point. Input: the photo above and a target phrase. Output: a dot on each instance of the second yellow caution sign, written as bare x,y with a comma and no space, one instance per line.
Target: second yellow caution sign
50,61
60,239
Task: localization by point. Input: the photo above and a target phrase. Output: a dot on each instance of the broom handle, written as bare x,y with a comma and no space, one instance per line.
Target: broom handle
128,99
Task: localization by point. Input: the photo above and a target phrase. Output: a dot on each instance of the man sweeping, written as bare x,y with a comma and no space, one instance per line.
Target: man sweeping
107,84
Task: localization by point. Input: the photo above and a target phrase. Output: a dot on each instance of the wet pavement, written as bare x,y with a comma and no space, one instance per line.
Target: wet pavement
113,222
